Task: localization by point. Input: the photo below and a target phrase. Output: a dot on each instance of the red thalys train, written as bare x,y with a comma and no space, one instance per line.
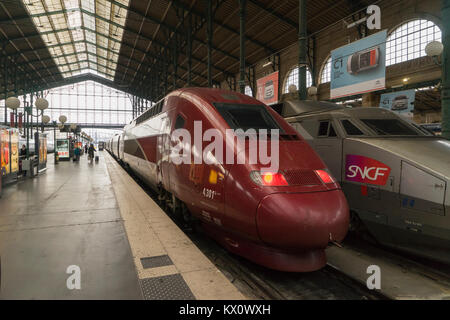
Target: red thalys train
283,220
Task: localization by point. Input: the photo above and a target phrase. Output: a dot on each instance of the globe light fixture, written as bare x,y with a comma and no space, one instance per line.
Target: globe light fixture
434,49
63,119
45,119
292,88
13,103
41,104
312,91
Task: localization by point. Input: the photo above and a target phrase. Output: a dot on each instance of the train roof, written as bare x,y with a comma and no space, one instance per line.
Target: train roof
296,108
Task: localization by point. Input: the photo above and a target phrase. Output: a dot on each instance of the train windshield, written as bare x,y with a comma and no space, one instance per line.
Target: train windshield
240,116
390,127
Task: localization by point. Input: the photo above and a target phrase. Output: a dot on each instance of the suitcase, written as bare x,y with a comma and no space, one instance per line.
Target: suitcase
96,158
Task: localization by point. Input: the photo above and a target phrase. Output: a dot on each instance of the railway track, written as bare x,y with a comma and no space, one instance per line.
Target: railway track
260,283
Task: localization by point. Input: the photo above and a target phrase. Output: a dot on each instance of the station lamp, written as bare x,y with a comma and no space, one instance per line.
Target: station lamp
45,119
292,88
41,104
312,91
13,103
63,119
434,49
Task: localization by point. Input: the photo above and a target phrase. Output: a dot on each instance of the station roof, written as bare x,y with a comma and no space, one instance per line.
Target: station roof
122,43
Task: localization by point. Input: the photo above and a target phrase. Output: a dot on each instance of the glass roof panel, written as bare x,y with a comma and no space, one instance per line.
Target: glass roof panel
78,31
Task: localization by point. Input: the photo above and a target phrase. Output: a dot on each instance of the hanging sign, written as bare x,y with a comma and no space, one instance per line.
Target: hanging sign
268,88
359,67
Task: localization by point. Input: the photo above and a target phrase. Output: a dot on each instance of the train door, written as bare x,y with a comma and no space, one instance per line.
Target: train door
163,158
329,147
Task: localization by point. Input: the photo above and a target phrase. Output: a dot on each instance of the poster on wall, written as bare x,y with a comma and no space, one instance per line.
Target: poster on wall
4,150
401,102
41,145
359,67
62,147
268,88
14,151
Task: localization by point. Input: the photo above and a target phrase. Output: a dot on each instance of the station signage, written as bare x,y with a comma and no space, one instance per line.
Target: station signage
268,88
359,67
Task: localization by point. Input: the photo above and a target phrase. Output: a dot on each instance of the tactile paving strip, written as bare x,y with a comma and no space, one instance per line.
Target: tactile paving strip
155,262
171,287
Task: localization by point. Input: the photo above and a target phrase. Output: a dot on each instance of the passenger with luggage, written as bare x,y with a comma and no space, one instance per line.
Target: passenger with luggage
91,152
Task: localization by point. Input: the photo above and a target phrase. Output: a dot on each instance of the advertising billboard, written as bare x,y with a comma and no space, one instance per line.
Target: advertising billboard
14,151
401,102
4,152
62,147
268,88
359,67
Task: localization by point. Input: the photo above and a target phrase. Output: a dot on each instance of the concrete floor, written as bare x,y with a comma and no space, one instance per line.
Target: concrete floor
66,216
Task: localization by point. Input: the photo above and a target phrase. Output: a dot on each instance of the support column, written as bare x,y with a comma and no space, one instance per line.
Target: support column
6,88
242,7
302,50
445,92
209,40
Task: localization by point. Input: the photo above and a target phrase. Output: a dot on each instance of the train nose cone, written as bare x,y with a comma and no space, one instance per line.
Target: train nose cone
303,220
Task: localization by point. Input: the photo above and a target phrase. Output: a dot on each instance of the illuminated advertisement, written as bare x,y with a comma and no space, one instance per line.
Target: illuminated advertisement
268,88
62,147
401,102
359,67
4,150
14,151
42,149
366,170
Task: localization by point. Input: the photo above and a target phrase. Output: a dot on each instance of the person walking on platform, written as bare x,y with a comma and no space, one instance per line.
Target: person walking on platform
86,148
77,153
91,152
22,156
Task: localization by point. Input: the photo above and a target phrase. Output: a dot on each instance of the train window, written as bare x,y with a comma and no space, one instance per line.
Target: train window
323,129
326,129
351,129
239,116
389,127
332,132
179,123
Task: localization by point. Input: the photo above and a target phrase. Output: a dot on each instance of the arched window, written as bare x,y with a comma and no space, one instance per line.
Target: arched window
409,40
248,91
325,76
292,78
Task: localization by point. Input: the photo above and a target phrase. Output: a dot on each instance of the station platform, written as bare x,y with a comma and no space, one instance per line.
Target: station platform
95,218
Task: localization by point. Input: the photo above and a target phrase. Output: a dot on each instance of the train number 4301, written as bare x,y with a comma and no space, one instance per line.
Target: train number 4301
208,193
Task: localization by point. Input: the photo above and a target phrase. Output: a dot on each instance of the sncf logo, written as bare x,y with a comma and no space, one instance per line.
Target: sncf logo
366,170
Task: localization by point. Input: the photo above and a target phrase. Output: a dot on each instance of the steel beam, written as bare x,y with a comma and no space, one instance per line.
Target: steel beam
302,50
242,14
445,91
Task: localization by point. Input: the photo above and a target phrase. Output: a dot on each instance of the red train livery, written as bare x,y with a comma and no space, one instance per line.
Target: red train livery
283,220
